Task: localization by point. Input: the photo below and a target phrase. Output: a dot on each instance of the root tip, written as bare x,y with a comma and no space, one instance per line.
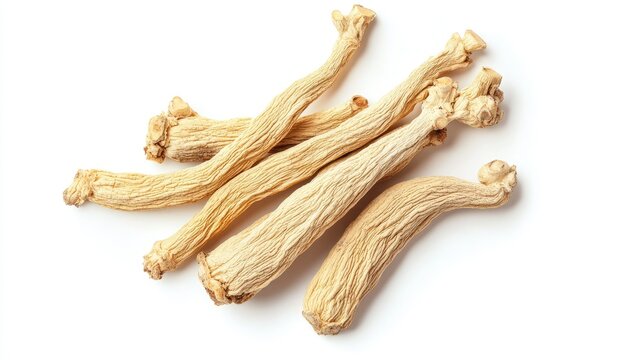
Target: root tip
152,267
473,42
362,11
498,172
80,189
158,261
213,287
154,271
320,326
179,108
355,23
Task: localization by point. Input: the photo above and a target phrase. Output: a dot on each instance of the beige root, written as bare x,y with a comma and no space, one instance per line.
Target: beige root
129,191
182,135
243,265
281,171
369,244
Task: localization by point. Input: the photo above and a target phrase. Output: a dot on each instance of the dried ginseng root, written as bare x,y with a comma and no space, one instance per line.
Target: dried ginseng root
128,191
383,229
298,163
243,265
182,135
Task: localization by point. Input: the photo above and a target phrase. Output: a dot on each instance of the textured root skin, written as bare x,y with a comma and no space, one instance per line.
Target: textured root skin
370,243
160,260
241,262
183,136
435,138
134,191
285,169
80,189
250,261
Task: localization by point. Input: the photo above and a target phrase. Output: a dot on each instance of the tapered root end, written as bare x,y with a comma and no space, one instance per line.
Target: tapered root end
322,327
158,261
479,104
157,138
498,173
355,23
358,103
80,189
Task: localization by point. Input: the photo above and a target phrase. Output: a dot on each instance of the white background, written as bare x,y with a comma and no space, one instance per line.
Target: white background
556,273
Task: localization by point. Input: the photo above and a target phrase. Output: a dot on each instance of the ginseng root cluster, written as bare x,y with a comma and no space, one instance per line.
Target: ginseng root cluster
342,152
